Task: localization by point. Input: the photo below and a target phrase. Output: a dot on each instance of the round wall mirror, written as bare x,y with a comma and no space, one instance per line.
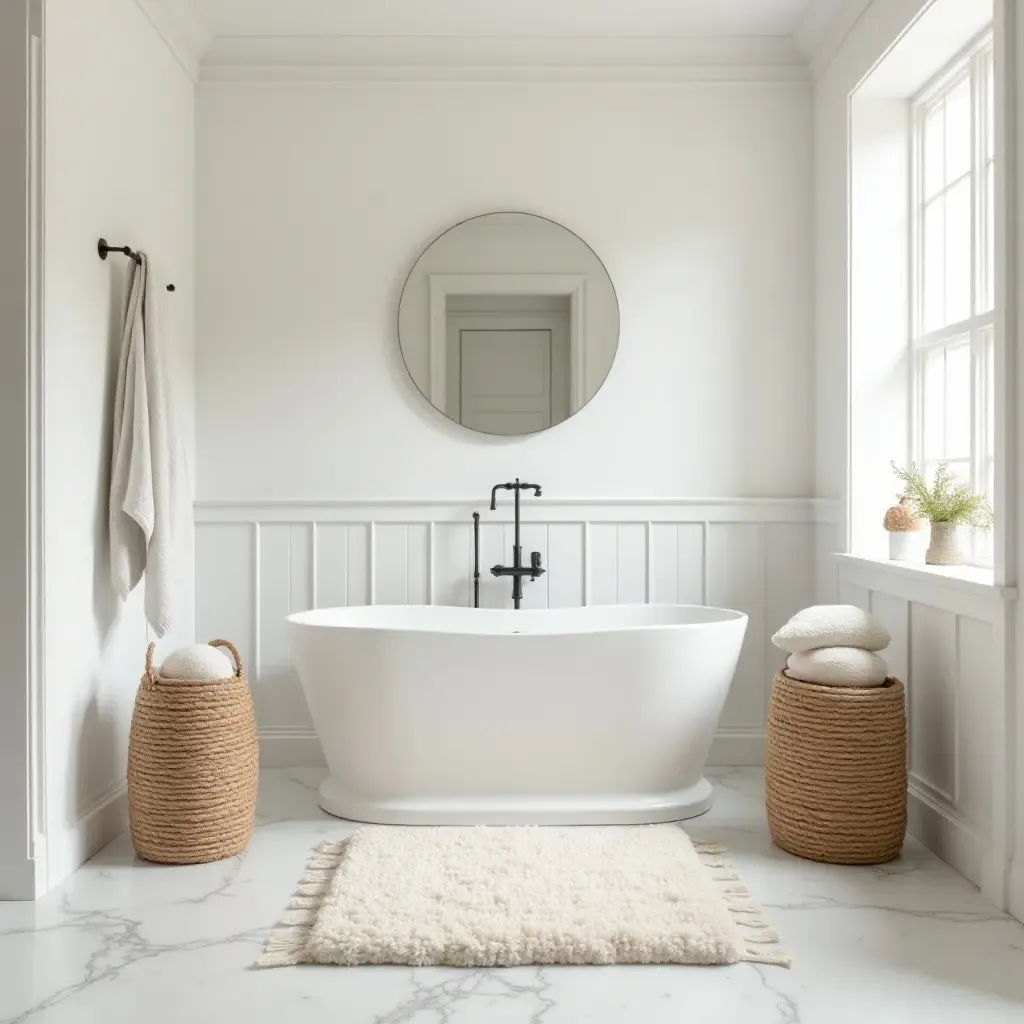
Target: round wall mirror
508,323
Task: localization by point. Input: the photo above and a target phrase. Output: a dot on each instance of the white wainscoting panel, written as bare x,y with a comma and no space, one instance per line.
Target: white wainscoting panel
257,562
946,647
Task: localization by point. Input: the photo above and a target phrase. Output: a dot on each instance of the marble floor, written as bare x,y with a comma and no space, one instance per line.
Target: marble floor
126,941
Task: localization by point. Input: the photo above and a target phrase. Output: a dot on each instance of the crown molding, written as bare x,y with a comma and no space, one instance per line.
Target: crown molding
182,28
824,26
502,59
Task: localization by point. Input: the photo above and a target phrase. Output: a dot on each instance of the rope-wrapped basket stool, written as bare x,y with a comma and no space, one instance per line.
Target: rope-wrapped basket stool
836,773
192,766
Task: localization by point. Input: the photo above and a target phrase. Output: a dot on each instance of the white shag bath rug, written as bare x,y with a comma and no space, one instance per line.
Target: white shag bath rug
504,896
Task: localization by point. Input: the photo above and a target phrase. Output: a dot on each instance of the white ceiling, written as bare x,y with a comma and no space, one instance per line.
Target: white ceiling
502,17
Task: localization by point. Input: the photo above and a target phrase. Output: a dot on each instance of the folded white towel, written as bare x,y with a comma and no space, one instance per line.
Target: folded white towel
832,625
143,466
838,666
200,661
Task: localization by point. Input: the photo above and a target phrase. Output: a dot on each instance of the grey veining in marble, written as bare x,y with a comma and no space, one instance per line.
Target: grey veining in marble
124,941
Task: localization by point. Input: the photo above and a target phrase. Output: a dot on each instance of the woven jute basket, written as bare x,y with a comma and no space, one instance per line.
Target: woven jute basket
836,774
192,766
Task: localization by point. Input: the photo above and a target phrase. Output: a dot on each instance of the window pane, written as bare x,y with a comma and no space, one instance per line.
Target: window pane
988,265
958,252
990,396
933,151
934,258
990,108
961,472
983,548
933,405
958,402
958,130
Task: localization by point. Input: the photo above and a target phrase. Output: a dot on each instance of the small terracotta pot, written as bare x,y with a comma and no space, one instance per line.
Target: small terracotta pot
944,545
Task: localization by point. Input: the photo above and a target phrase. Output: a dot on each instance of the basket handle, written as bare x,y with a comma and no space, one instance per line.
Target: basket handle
150,674
239,670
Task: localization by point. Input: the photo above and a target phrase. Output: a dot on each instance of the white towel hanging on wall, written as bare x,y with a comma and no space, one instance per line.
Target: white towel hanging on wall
143,466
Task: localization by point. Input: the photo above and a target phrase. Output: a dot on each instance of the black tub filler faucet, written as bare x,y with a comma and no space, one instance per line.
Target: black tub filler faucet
516,570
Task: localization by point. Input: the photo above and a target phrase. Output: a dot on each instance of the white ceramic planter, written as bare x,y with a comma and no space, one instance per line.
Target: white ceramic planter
902,545
944,546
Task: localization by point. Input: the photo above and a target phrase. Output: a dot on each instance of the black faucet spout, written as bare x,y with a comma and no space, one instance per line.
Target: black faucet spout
494,493
517,570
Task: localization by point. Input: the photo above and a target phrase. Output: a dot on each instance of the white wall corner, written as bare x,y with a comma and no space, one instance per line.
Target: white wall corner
182,28
824,26
942,828
69,847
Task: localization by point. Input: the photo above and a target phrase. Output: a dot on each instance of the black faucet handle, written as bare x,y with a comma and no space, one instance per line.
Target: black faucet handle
535,566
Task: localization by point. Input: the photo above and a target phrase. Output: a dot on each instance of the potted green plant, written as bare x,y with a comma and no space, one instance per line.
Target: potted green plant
947,505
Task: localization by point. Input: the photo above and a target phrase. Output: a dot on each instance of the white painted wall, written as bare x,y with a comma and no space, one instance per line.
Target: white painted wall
316,199
119,163
20,54
1009,55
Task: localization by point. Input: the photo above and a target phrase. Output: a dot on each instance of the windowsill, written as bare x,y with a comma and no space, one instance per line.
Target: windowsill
968,578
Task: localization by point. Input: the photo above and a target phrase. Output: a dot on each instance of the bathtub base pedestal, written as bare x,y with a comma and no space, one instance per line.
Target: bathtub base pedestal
616,809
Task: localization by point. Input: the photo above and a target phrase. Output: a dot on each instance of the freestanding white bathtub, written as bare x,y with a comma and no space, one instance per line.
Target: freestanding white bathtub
436,715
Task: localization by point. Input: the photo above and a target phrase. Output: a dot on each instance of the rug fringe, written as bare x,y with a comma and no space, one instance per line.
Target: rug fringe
286,945
775,958
709,846
759,941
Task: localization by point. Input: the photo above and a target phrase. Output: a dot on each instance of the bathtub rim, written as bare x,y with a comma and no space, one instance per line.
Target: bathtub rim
726,618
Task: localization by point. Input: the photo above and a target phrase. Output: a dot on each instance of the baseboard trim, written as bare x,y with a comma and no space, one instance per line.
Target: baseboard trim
69,848
939,827
290,748
300,748
19,880
738,747
1015,888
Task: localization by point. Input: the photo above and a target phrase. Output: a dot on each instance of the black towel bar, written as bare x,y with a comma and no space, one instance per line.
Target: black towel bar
103,248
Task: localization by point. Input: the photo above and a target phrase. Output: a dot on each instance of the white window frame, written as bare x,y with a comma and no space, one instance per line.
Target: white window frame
979,327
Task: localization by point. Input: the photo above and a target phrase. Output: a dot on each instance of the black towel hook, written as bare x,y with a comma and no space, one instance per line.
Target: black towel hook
103,248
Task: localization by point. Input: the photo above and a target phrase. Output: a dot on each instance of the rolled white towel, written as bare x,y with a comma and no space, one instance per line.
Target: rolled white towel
832,625
199,661
838,666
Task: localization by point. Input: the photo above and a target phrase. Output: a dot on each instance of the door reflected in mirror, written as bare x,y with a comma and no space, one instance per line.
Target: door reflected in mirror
508,323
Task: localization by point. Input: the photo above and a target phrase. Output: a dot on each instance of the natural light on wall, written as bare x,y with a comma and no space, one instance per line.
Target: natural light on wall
922,317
